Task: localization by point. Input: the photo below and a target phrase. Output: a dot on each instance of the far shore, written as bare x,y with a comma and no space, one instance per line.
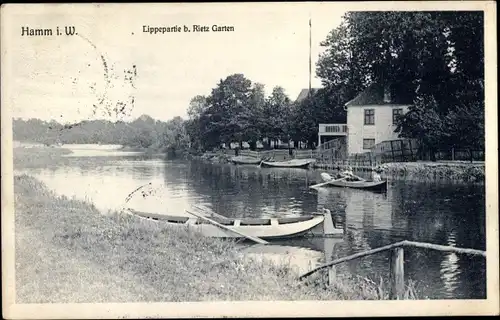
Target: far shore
455,171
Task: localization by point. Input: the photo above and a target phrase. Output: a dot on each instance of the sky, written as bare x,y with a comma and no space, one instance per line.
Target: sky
62,77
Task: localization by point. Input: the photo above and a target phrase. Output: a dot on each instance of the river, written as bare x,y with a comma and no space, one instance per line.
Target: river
440,213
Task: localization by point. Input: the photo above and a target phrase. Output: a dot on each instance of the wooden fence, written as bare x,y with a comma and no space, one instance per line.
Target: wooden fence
332,151
361,160
305,154
399,150
403,150
279,154
397,261
459,155
249,153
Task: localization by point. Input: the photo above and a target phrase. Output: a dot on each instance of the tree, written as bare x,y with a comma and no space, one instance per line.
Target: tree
228,113
424,123
275,115
319,107
174,137
253,115
197,106
194,126
339,66
304,125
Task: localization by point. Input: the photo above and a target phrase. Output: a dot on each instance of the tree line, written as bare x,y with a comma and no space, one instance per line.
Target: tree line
142,133
237,110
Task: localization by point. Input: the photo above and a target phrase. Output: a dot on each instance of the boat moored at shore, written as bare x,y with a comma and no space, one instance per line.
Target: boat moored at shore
245,160
265,228
294,163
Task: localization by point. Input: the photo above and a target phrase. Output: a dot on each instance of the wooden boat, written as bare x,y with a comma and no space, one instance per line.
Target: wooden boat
361,184
245,160
264,228
367,185
294,163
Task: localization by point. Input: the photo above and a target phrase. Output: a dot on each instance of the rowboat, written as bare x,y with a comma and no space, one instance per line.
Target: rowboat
245,160
264,228
367,185
294,163
360,184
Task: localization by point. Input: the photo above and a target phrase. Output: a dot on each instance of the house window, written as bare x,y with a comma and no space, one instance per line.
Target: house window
369,116
368,143
396,113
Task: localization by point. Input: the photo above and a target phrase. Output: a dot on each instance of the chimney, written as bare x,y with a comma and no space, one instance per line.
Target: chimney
387,94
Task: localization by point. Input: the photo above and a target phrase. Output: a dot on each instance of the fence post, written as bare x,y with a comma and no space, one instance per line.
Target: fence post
332,275
403,156
452,154
397,274
392,151
411,151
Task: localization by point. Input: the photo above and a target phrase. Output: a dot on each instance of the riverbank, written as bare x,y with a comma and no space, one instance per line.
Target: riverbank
457,171
38,157
454,171
68,251
214,157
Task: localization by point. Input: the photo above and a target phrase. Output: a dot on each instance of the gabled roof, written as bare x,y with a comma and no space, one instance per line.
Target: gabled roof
304,93
374,95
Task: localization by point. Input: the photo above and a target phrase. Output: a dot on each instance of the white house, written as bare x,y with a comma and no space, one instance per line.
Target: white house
372,115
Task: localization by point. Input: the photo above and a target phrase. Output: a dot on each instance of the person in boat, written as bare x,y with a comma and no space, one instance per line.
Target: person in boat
376,176
347,175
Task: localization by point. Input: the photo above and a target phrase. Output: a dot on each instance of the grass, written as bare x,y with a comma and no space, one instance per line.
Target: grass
454,171
38,157
69,252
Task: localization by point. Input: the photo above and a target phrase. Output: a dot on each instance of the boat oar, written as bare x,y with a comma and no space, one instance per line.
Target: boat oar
256,239
360,179
209,212
325,183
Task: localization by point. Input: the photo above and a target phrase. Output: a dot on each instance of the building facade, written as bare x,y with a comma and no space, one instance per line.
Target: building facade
372,124
372,116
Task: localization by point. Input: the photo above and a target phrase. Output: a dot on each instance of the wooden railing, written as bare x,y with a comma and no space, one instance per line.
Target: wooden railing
332,144
279,154
304,154
398,150
331,151
397,261
401,150
336,128
249,153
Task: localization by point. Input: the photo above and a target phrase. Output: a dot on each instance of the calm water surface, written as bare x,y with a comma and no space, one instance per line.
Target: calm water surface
438,213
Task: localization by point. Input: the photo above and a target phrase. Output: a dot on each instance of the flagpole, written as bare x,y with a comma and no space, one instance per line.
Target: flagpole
310,45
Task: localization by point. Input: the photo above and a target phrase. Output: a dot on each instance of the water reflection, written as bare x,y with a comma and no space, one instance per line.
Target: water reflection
419,212
426,212
450,269
250,191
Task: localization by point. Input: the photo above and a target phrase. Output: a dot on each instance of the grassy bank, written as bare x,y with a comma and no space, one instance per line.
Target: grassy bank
454,171
215,157
67,251
38,157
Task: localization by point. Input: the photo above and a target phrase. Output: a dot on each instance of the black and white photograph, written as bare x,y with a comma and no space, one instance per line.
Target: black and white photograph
249,159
